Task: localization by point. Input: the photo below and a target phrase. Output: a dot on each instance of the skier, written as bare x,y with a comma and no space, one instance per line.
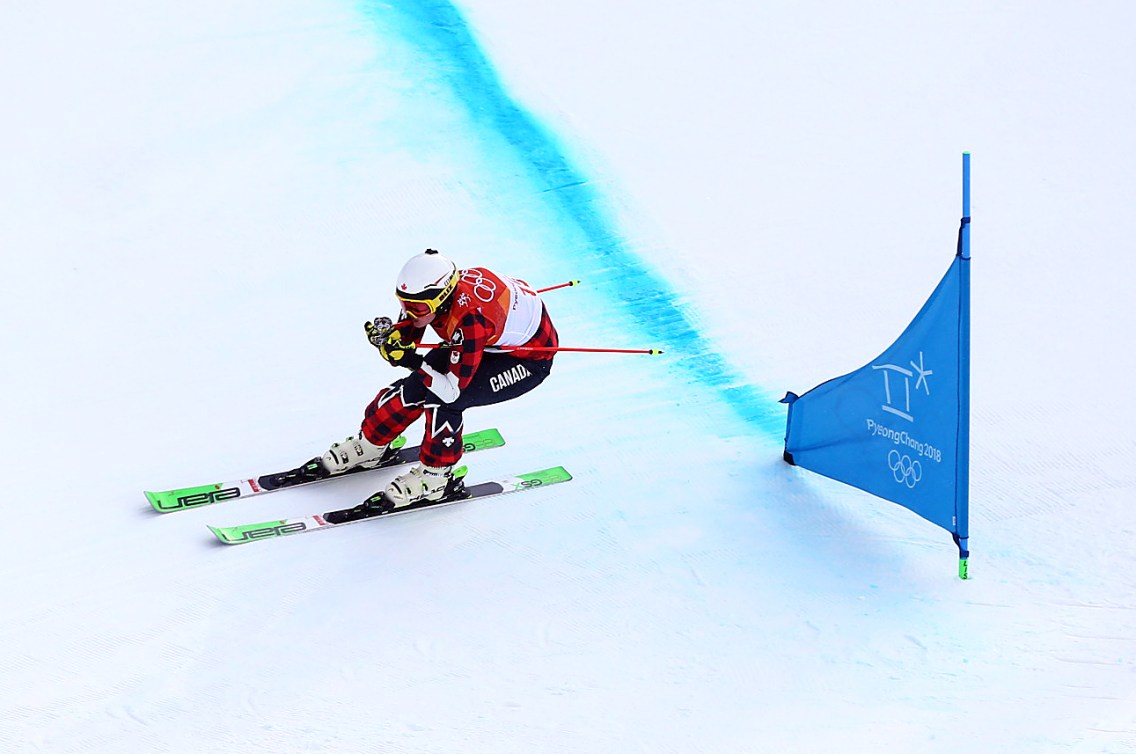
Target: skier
476,312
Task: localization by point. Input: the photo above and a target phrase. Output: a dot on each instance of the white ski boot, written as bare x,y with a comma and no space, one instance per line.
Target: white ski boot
421,483
353,452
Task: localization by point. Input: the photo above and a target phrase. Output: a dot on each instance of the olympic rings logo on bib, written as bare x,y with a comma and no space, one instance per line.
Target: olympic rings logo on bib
484,288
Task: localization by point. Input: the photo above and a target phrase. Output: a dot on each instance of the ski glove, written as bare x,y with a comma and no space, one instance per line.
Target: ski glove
378,331
384,336
400,354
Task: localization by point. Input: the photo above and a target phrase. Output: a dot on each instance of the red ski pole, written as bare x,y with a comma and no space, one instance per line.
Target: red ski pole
557,349
555,287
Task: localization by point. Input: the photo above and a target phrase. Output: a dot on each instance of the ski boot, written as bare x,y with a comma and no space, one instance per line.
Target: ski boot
446,484
354,452
425,484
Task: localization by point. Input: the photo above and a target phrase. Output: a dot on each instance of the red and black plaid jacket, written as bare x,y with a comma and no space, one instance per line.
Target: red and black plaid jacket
471,326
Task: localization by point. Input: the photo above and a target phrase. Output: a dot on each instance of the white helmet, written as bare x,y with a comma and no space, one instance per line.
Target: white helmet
425,282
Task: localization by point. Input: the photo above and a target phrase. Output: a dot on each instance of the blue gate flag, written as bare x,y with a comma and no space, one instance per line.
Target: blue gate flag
899,427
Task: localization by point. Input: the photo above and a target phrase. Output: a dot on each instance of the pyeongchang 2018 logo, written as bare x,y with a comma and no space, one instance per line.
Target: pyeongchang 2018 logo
900,386
904,469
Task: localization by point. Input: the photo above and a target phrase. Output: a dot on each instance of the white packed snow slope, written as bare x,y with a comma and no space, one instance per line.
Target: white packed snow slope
202,203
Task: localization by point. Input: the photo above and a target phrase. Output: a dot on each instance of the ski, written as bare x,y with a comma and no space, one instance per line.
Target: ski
377,506
168,501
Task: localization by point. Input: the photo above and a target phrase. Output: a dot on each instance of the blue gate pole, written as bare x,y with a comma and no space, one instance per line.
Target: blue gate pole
962,468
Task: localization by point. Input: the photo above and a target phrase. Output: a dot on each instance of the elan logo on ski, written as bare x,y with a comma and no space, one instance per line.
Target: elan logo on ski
375,507
169,501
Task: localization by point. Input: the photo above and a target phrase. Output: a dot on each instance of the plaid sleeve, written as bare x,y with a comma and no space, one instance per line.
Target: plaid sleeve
469,340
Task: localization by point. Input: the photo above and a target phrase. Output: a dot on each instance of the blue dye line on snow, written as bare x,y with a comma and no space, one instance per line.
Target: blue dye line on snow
440,31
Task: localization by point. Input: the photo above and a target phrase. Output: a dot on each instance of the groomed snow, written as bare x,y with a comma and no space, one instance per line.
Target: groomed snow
202,202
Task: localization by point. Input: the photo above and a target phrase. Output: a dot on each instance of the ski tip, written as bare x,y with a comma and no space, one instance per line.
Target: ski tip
221,536
159,501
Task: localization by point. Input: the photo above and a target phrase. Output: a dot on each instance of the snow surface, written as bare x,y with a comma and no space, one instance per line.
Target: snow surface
203,201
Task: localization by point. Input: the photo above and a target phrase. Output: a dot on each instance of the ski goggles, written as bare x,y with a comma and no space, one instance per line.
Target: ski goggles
418,309
424,304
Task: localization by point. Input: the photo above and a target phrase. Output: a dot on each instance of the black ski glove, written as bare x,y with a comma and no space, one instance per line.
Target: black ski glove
400,354
384,336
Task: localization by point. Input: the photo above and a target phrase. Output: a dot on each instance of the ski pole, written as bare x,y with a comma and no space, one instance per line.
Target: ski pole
554,287
557,349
